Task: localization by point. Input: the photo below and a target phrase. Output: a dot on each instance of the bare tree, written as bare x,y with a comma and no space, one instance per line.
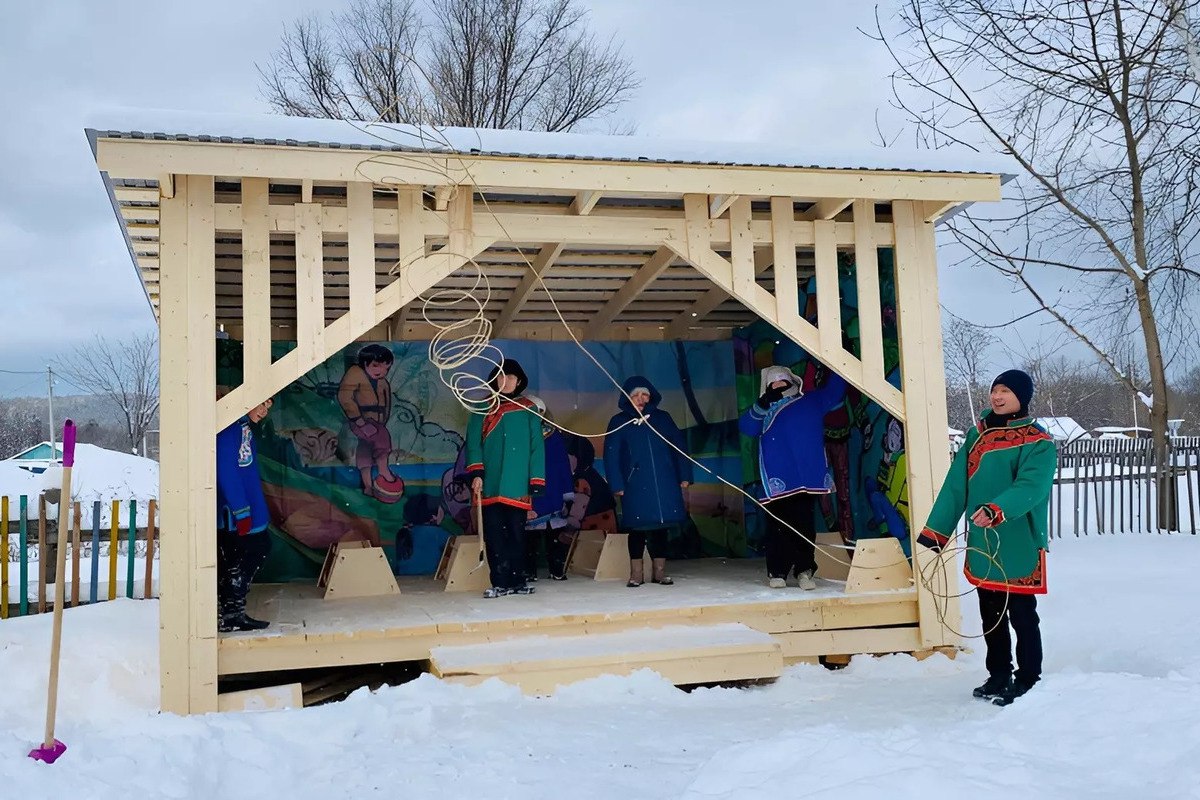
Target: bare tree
126,372
1097,104
20,428
967,348
525,64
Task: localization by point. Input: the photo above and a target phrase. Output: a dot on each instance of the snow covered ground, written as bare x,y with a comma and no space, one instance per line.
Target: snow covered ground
1117,716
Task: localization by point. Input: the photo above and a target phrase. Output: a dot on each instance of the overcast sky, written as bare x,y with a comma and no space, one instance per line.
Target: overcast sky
793,71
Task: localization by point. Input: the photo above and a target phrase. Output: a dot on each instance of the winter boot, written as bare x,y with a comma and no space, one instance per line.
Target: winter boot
992,687
777,583
805,580
496,591
1011,692
240,622
523,590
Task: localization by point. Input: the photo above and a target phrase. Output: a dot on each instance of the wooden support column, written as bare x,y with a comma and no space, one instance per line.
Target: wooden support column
926,445
783,236
360,250
741,247
310,284
188,559
870,312
829,295
256,277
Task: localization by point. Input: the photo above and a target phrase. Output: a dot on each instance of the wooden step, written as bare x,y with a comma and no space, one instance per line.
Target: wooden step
683,654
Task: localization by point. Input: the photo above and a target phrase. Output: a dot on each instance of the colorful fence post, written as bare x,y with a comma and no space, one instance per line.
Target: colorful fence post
95,551
113,547
148,591
24,555
4,557
76,522
132,548
41,599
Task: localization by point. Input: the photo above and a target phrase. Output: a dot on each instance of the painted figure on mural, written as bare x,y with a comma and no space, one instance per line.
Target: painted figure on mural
793,470
243,540
594,508
552,523
366,400
421,540
645,456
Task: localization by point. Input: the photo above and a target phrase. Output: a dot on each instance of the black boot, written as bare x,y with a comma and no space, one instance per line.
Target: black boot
1012,692
992,687
241,622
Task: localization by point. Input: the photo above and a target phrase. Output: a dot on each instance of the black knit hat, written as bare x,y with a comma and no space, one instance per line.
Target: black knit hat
511,367
1017,382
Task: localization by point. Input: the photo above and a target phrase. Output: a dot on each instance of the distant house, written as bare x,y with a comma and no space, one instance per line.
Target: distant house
38,458
1119,432
957,438
1064,429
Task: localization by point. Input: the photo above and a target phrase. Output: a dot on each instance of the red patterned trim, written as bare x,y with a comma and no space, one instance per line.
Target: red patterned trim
996,513
474,467
1034,583
506,501
994,439
537,481
491,420
937,537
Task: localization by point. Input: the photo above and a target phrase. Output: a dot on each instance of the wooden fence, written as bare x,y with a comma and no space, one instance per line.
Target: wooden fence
88,553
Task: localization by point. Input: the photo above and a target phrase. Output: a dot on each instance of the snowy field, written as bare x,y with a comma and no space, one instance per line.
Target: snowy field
1116,716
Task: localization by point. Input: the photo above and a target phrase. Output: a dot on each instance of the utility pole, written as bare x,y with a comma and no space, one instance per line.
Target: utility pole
50,408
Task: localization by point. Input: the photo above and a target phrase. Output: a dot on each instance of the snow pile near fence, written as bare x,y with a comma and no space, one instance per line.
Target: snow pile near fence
1116,716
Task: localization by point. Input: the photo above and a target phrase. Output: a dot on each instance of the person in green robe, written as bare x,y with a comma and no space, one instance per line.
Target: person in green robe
1001,479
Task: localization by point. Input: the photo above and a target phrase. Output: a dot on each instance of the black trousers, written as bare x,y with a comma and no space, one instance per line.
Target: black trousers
1021,614
504,542
788,553
238,560
556,550
654,540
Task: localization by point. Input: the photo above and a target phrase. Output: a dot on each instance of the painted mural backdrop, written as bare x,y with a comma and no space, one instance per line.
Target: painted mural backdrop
369,445
864,444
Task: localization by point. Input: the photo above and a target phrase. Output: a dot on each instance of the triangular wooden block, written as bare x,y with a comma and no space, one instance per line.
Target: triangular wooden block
461,567
833,559
878,565
604,556
355,569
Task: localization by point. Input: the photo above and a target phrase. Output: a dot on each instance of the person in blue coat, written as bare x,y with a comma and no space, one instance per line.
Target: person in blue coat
793,470
243,541
551,508
648,475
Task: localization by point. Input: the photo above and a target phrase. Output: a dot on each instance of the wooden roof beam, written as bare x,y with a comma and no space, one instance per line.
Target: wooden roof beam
649,271
541,262
827,208
584,202
718,204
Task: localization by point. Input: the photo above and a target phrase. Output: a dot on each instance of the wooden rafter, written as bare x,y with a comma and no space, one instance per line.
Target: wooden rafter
827,208
584,202
646,275
540,264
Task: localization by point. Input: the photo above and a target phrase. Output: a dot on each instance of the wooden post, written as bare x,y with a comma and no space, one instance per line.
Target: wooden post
114,547
92,593
923,375
77,520
256,277
23,556
41,594
188,550
132,549
148,591
4,557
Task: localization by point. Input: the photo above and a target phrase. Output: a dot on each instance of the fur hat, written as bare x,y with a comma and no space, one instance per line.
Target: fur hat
777,373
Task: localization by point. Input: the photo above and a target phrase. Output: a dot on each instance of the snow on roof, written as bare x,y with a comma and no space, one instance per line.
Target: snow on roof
830,153
1119,429
1064,429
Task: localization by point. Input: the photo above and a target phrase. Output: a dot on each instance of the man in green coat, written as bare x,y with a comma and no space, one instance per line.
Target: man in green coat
1001,478
506,462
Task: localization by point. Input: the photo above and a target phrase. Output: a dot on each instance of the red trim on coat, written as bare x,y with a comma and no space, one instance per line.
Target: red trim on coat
1034,583
491,420
994,439
506,501
941,539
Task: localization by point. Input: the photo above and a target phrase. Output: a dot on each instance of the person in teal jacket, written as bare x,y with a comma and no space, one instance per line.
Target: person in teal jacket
506,465
1001,478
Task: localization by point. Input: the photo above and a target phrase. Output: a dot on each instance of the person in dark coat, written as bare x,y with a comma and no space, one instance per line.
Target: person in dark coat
551,508
793,470
648,474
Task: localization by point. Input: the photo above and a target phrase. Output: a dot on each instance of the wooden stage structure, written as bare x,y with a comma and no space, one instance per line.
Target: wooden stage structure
323,232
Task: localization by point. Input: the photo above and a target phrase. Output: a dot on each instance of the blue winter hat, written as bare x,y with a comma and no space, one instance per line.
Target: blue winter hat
1017,382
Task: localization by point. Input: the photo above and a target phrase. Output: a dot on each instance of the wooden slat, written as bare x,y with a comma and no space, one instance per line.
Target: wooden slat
360,247
787,290
827,208
310,284
870,322
584,202
829,308
256,277
648,273
741,246
540,264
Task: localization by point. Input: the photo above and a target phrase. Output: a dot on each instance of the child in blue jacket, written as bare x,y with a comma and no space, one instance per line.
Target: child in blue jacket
243,541
550,509
793,470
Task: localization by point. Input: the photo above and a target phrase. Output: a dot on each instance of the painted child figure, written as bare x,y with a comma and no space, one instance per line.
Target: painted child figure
789,424
506,462
552,508
366,399
243,541
1001,477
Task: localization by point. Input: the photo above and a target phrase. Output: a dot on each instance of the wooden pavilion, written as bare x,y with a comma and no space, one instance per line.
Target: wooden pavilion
323,232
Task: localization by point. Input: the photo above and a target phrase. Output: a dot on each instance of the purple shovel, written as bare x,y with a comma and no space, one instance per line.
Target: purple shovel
52,748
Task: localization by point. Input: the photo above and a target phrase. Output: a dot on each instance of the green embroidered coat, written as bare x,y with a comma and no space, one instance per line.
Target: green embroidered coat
1007,471
505,448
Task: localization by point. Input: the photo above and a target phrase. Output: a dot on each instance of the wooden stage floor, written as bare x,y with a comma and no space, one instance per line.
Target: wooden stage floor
307,631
